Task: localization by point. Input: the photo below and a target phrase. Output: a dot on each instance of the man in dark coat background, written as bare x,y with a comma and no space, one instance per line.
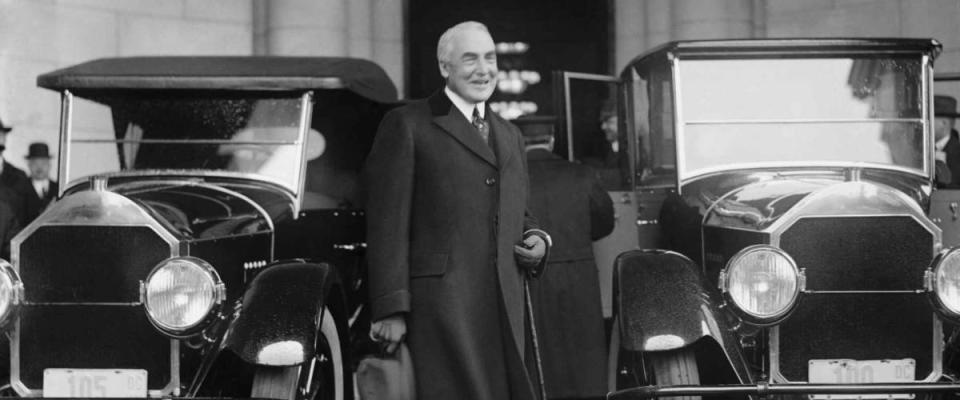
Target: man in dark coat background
14,189
44,188
449,238
570,203
947,141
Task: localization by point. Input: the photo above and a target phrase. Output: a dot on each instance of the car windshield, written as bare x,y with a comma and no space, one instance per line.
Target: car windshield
252,135
801,112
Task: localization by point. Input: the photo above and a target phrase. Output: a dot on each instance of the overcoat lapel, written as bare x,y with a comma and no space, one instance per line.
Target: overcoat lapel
506,146
452,121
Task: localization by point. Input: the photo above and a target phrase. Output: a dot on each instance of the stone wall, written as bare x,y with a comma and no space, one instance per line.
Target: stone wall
644,24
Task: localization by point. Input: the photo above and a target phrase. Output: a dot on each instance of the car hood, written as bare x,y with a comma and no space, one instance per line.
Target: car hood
776,200
198,210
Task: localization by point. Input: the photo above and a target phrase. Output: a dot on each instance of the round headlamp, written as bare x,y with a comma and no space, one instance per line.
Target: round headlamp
943,281
763,282
11,292
181,293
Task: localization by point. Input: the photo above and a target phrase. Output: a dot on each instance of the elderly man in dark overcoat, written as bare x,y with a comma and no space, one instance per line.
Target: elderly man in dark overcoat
570,203
449,238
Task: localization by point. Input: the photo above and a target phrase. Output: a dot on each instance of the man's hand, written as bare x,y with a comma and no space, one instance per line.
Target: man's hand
389,331
531,252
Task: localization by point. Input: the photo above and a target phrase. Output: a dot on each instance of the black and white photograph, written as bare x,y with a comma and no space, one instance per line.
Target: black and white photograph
500,200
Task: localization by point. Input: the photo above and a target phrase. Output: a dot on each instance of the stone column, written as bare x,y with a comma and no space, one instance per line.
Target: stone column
696,19
645,24
360,29
308,27
388,39
630,37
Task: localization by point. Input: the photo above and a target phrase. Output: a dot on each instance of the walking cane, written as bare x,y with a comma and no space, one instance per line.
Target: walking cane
533,335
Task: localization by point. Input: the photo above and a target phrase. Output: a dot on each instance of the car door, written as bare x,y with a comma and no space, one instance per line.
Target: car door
945,203
583,102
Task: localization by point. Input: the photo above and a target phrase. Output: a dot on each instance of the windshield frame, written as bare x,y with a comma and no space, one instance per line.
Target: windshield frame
680,123
295,192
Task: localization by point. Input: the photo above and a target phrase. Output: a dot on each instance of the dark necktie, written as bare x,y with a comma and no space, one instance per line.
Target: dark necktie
481,126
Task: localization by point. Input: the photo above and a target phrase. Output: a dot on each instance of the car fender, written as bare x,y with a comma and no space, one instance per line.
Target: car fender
662,304
280,315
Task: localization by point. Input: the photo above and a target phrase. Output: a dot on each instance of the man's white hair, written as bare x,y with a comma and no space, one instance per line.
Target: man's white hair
445,44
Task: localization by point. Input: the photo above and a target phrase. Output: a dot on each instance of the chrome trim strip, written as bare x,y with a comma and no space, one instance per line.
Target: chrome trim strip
79,304
799,164
797,121
190,141
124,212
678,124
926,96
66,129
306,115
568,112
591,77
918,291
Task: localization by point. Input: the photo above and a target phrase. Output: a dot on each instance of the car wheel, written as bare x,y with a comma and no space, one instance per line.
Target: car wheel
675,367
320,378
627,369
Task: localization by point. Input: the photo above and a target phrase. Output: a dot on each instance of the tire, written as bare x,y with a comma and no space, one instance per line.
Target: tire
675,367
626,369
323,377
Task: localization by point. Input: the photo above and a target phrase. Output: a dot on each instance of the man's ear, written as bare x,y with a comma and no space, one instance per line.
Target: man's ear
443,69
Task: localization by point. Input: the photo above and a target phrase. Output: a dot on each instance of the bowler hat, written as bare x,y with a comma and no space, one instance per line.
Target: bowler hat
38,150
5,128
945,106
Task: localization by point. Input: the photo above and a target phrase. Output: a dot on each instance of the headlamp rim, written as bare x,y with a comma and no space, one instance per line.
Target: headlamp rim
219,296
933,287
750,317
16,292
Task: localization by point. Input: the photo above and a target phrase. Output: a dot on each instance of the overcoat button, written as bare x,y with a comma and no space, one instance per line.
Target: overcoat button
491,181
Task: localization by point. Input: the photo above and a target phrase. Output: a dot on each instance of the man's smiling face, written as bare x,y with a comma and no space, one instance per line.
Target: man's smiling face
471,65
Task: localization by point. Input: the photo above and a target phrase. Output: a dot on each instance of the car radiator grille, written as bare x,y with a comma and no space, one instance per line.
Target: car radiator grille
863,274
81,285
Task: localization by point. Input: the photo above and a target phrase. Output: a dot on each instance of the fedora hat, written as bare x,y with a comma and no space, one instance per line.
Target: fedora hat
38,150
945,106
5,128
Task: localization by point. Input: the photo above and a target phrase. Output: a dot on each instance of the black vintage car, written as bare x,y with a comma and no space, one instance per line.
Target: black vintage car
786,185
209,238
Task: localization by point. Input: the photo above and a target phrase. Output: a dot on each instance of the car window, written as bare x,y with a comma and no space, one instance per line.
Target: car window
742,113
199,132
652,101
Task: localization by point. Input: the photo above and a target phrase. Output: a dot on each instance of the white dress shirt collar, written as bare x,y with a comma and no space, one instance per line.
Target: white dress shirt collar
465,106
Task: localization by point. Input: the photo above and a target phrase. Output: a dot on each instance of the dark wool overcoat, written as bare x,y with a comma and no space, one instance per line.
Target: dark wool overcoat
570,203
444,211
15,189
952,149
37,204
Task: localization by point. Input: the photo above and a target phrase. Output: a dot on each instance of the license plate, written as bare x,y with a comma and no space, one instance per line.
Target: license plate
67,382
861,371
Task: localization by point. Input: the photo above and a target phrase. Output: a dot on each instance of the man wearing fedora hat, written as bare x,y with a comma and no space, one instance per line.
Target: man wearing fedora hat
44,188
947,142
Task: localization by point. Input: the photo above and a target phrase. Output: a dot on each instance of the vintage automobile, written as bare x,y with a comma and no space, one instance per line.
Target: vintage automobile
209,238
786,185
